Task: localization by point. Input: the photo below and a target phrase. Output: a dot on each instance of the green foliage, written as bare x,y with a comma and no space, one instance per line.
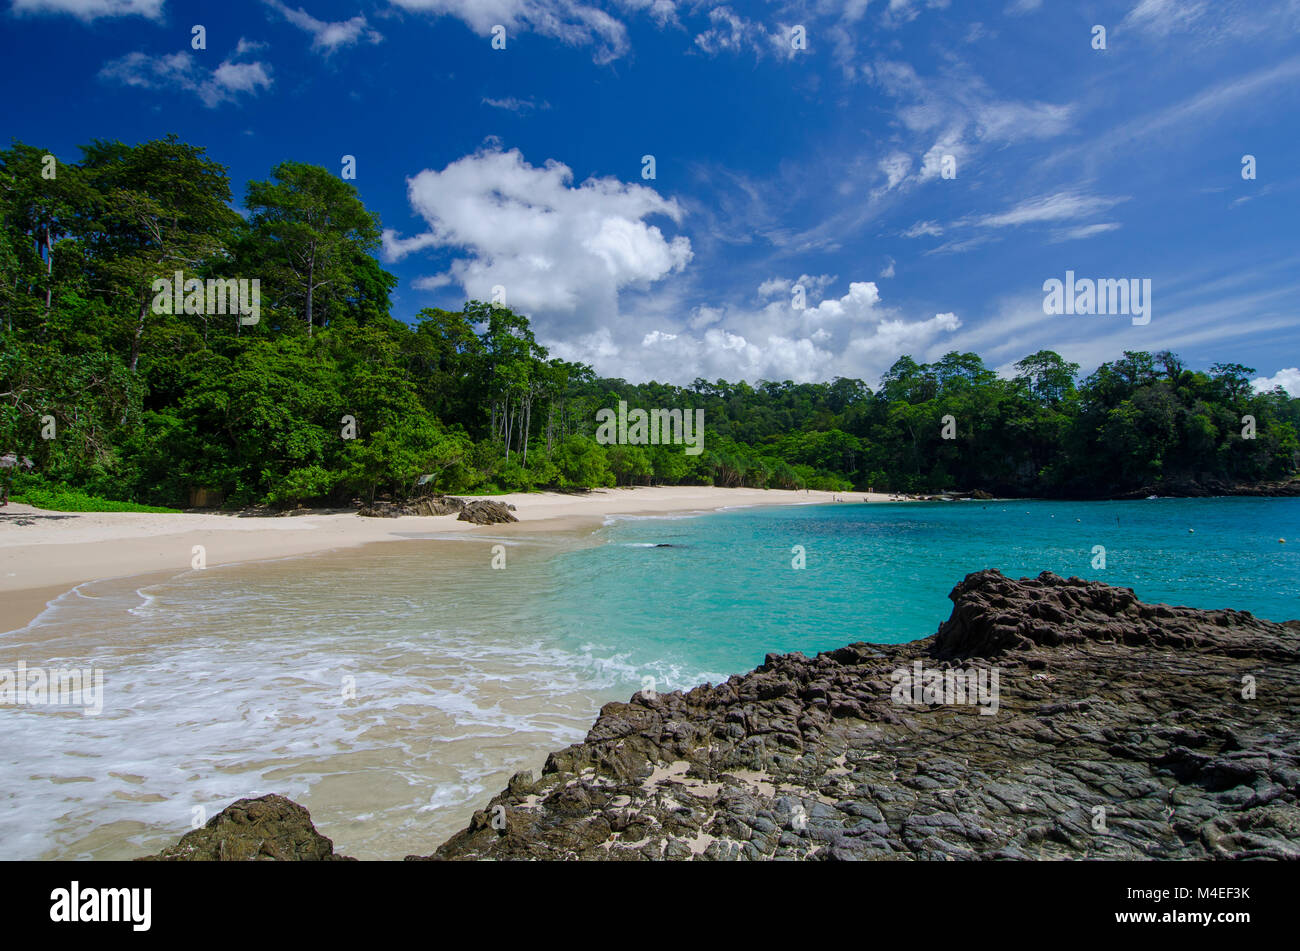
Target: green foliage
62,498
147,407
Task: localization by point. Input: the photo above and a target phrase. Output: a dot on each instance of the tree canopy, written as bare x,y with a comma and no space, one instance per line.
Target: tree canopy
327,397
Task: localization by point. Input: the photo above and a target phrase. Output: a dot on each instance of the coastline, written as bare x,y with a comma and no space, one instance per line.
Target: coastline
43,555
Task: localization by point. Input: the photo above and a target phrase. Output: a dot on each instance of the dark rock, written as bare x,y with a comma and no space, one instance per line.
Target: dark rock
486,512
480,512
1120,733
271,828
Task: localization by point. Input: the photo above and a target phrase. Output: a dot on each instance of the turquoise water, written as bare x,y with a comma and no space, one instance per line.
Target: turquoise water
392,689
726,594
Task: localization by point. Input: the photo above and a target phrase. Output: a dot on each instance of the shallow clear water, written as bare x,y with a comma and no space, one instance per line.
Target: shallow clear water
394,689
726,593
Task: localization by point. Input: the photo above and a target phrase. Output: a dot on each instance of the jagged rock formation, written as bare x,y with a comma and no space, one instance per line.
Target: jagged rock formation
271,828
1190,488
486,512
480,512
1119,730
1122,730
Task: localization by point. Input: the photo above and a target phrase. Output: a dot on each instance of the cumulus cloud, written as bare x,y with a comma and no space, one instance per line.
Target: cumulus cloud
814,287
183,71
559,250
89,10
853,334
1288,379
327,37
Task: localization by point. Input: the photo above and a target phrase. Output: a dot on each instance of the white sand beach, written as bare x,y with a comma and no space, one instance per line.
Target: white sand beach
45,554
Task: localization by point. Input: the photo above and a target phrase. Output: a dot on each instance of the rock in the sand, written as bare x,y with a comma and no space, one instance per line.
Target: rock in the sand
1123,730
271,828
486,512
441,505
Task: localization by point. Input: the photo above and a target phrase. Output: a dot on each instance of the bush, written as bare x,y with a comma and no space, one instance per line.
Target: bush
61,498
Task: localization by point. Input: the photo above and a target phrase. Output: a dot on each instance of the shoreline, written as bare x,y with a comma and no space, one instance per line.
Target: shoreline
44,555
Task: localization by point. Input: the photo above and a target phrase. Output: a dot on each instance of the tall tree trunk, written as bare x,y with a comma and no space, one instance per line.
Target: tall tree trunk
139,333
311,289
506,433
528,421
49,270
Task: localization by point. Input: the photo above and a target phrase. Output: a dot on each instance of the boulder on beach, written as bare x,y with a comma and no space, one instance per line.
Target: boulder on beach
486,512
269,829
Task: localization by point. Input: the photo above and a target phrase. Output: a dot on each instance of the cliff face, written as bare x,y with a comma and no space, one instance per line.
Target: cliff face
1121,730
1047,718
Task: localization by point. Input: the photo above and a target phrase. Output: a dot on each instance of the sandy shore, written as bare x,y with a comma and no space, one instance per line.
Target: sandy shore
45,554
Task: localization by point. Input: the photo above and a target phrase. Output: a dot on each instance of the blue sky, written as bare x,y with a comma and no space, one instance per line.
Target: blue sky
775,167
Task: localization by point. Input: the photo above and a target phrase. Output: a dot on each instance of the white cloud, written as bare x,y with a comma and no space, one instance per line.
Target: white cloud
931,228
1288,379
558,250
569,21
1085,231
433,282
1165,16
183,71
1056,207
888,270
511,104
732,33
814,287
663,12
89,10
899,12
327,37
1018,7
895,167
850,335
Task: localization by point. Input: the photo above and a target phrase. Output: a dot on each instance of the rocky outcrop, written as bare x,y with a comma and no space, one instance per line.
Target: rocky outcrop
486,512
1089,725
480,512
1114,729
1206,488
271,828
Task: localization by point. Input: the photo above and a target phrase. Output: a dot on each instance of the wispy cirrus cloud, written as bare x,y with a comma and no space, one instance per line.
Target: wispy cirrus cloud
328,37
1060,206
571,22
89,10
512,104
